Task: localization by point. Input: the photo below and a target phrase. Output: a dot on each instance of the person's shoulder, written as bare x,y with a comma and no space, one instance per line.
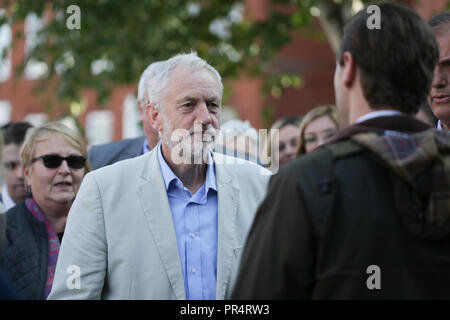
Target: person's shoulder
18,214
335,151
18,208
122,144
305,161
109,153
126,167
313,165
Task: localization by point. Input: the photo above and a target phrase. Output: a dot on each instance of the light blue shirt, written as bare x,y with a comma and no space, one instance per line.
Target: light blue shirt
195,222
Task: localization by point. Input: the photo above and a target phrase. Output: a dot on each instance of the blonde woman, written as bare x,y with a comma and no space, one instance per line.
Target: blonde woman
54,161
318,125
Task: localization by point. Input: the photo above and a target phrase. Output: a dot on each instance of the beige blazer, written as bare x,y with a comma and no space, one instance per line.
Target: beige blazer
120,242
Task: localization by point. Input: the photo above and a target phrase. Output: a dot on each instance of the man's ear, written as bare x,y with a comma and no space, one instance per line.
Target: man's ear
154,115
348,69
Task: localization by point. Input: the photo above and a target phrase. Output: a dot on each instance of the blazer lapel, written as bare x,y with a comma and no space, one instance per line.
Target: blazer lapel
153,197
228,200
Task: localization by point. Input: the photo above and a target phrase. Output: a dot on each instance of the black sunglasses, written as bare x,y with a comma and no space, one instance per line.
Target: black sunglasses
53,161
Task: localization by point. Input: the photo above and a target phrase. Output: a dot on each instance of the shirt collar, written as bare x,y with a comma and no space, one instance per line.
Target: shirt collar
439,125
378,113
169,176
8,202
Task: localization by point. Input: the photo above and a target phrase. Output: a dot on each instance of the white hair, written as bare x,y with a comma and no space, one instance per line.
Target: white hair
154,80
148,73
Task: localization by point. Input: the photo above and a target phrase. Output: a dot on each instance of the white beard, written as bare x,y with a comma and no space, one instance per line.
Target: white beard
189,146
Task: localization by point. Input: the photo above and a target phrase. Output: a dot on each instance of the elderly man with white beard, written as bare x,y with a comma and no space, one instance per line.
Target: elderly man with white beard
170,224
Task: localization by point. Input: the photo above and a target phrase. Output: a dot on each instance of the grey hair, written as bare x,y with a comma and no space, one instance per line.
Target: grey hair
148,73
154,80
440,23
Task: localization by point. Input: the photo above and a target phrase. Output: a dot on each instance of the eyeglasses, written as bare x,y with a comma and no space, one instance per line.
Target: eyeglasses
11,165
53,161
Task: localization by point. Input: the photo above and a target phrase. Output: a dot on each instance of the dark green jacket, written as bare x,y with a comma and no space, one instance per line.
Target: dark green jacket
343,224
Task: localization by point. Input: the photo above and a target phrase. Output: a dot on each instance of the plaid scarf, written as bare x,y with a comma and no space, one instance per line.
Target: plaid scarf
423,160
53,243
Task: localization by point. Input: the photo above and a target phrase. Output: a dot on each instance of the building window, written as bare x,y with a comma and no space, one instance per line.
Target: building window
131,118
5,112
5,42
99,127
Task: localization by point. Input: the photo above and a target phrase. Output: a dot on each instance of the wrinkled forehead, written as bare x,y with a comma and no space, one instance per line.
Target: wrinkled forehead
185,74
182,80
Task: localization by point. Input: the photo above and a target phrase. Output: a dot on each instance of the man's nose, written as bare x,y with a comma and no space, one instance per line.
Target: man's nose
18,172
203,116
439,79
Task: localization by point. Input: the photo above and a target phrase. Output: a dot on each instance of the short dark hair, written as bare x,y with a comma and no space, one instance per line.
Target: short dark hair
440,23
15,133
396,61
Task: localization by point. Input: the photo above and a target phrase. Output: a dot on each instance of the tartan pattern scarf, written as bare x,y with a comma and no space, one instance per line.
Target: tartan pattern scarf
53,243
423,160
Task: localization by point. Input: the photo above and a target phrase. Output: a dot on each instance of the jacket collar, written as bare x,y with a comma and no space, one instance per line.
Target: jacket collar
400,123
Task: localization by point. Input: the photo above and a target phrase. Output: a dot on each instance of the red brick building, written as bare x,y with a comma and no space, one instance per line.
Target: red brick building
312,59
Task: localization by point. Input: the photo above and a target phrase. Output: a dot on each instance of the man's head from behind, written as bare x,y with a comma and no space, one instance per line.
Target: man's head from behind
184,101
13,138
391,66
142,98
439,98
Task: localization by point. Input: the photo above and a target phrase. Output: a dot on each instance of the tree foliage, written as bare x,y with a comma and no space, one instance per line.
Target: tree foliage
122,38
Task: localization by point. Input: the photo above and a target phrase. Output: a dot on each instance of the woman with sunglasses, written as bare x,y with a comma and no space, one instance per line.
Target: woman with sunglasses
54,164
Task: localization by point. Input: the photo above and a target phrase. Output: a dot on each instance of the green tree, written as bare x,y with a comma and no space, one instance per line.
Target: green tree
119,39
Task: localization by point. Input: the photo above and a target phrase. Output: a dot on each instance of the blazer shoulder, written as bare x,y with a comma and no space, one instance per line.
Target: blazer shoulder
111,152
122,144
123,171
18,213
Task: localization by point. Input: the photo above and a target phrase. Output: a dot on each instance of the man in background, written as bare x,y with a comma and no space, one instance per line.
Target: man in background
13,188
439,98
367,215
109,153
